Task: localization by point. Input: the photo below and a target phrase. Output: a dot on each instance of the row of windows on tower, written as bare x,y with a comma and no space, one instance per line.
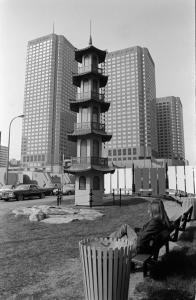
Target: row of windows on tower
128,151
39,157
122,158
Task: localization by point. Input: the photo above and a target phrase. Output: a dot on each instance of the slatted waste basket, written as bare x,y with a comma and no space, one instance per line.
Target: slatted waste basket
193,202
106,268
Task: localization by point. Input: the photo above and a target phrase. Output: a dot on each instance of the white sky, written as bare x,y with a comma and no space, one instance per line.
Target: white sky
165,27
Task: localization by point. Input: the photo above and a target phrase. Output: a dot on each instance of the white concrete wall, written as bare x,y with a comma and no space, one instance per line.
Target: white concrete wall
122,178
107,183
172,177
175,175
180,178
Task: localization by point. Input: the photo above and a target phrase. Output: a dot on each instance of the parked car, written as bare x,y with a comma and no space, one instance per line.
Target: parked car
69,189
52,189
5,188
48,191
24,191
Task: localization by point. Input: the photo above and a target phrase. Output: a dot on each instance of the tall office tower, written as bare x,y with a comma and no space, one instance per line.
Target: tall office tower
3,155
48,88
132,117
170,128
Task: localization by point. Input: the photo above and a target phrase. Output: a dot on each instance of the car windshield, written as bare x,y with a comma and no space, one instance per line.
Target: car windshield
6,187
23,187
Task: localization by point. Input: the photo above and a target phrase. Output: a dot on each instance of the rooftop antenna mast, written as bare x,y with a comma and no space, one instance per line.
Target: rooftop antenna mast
90,40
53,28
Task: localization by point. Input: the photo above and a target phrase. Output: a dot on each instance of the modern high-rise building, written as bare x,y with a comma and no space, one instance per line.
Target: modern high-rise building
3,154
48,87
170,128
132,116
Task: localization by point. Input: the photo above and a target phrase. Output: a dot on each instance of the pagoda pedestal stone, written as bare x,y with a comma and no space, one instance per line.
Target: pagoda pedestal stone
84,197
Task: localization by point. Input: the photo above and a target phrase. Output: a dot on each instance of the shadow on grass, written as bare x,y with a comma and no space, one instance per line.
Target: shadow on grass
175,263
167,294
173,278
125,201
188,235
170,294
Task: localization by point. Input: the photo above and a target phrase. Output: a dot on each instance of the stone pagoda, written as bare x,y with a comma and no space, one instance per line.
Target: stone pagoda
89,166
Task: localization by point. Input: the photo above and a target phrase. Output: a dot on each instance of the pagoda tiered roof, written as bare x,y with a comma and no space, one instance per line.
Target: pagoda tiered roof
89,130
88,134
89,98
79,53
77,169
88,164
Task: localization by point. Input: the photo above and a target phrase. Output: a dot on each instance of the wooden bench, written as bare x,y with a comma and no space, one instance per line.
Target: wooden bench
145,259
157,242
142,260
175,229
186,217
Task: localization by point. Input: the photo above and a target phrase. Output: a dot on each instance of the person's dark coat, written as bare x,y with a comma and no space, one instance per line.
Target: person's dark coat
154,228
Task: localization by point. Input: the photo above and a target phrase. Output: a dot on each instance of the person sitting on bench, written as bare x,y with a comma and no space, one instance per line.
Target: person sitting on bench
158,223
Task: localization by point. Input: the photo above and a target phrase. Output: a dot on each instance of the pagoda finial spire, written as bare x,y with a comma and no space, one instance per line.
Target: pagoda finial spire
90,39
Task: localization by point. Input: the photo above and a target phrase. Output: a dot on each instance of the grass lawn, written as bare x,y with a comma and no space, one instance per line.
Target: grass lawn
41,261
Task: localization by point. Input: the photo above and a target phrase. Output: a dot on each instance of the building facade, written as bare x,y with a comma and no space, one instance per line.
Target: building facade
48,88
3,155
170,128
132,117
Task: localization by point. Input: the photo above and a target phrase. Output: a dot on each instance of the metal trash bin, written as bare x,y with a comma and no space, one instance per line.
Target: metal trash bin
106,268
193,201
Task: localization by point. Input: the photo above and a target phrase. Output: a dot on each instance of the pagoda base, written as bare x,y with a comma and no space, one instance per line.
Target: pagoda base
89,194
84,198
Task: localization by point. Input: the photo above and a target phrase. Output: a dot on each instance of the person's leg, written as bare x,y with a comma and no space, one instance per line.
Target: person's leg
122,231
126,231
131,234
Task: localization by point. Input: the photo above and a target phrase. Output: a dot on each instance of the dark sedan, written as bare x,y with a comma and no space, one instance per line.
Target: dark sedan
4,189
48,191
24,191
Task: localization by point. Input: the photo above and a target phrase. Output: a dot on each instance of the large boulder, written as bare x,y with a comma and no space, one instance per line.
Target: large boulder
37,215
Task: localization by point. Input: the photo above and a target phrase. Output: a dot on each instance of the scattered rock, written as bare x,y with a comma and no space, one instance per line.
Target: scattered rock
56,214
37,215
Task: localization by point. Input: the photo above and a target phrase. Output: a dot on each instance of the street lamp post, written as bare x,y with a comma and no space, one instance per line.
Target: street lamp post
8,156
194,181
133,179
184,177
